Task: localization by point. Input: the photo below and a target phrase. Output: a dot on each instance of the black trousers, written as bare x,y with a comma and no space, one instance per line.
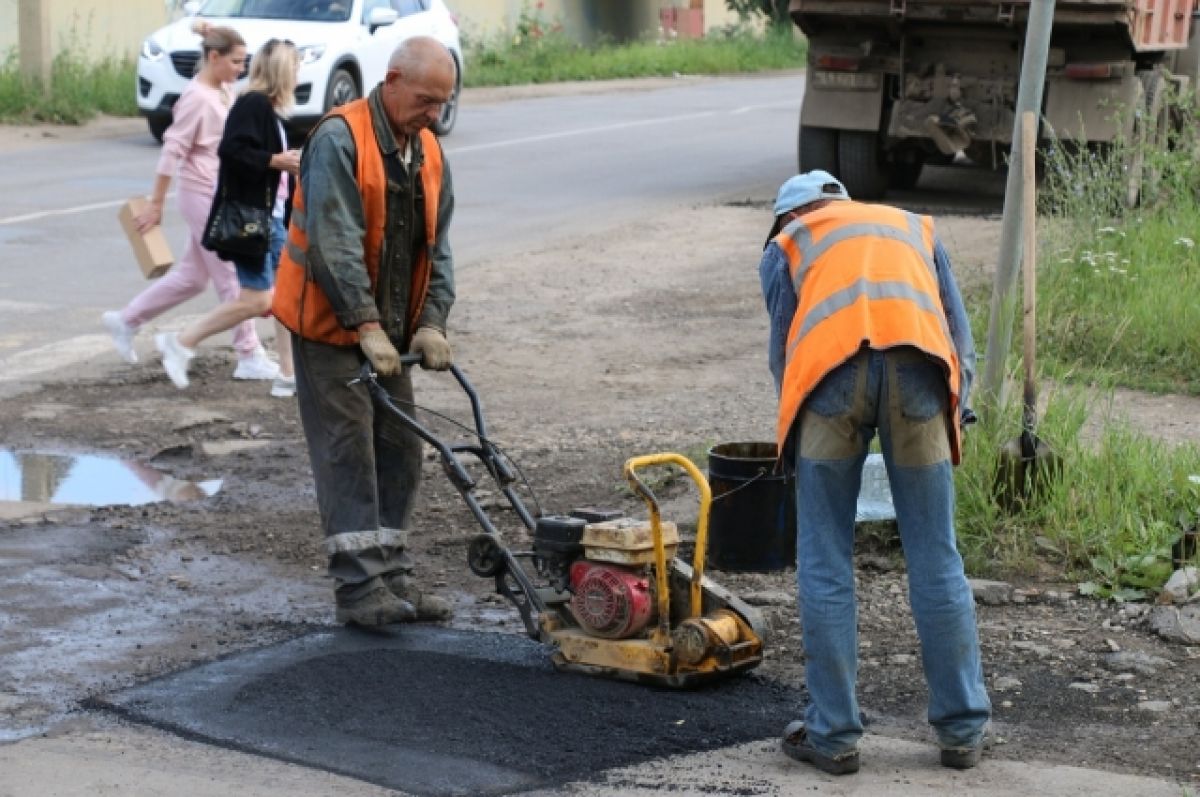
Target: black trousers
365,463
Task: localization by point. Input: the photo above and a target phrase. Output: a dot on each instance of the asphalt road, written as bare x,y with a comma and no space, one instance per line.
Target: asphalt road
526,172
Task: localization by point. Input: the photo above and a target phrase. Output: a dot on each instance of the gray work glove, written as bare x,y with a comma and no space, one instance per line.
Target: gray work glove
380,351
433,347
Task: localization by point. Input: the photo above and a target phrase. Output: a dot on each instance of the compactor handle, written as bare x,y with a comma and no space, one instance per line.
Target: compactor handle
660,554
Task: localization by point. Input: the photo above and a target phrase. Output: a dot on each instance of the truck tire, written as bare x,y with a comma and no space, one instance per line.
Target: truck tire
158,126
449,115
860,165
818,149
906,170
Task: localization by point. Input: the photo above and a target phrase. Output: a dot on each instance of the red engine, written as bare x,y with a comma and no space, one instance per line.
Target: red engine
610,601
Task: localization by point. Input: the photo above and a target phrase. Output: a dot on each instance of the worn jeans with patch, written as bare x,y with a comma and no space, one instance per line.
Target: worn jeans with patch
902,395
366,464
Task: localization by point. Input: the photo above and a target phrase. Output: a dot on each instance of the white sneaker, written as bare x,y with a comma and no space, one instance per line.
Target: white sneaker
175,357
256,366
122,335
283,387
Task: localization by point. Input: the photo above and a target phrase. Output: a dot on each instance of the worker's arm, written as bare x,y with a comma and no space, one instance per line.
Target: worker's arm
335,223
781,302
956,319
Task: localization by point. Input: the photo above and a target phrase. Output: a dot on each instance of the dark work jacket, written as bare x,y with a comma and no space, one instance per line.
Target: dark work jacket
251,137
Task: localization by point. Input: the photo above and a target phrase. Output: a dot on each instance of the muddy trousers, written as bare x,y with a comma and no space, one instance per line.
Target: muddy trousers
900,394
365,463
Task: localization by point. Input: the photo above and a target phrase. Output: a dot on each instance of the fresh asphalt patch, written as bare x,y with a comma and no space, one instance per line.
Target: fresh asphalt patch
433,711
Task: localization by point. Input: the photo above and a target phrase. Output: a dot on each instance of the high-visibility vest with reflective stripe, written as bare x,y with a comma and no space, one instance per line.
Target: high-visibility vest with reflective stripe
300,304
864,275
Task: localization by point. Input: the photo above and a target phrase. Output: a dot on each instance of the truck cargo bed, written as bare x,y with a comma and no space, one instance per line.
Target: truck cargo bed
1151,24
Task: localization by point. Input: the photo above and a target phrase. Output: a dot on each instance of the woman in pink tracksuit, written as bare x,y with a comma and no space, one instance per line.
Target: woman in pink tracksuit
190,148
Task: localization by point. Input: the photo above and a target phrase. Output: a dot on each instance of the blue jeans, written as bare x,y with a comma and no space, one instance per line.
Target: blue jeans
259,274
902,395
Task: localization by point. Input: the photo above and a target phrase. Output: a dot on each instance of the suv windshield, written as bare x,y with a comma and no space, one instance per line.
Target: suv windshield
311,10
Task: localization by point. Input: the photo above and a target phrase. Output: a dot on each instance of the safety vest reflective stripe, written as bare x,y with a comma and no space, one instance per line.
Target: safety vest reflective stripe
810,253
873,291
300,221
296,253
299,218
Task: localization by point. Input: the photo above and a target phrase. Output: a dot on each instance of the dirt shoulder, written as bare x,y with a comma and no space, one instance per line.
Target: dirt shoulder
653,339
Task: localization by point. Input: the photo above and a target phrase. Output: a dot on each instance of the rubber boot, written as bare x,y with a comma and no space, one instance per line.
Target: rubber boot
371,604
429,608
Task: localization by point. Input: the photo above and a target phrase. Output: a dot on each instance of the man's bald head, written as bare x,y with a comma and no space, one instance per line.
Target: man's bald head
420,80
420,54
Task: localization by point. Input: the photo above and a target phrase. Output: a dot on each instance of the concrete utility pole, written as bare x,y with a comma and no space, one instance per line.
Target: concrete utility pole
1029,98
33,39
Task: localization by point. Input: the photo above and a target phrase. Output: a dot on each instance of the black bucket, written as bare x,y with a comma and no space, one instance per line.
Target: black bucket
752,521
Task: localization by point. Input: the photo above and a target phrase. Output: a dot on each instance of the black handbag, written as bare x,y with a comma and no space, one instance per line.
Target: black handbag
237,229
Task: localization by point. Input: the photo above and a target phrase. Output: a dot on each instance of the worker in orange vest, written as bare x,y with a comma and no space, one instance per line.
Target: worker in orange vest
367,272
869,336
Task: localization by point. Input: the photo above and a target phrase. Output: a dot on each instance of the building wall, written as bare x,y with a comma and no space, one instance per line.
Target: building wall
98,29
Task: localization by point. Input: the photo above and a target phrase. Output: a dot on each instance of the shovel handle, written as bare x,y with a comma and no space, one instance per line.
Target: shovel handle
1029,262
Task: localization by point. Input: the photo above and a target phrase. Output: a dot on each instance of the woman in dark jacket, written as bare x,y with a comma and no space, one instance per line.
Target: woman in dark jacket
256,169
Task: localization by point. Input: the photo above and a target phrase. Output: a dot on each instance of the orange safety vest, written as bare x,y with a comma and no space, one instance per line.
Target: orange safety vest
300,304
863,275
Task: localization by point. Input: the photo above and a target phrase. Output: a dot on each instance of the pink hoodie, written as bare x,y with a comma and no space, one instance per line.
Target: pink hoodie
190,143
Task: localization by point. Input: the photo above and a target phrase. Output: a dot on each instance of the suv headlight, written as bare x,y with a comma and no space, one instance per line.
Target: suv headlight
151,50
311,54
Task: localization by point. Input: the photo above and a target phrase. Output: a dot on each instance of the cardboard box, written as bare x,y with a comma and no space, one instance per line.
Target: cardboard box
151,249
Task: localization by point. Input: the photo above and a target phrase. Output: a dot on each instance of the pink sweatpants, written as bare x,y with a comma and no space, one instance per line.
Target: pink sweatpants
190,274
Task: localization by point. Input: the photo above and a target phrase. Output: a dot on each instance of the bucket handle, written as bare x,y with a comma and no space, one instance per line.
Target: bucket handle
762,472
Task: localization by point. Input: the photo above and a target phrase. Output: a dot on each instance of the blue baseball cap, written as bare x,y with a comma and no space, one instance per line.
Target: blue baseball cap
808,187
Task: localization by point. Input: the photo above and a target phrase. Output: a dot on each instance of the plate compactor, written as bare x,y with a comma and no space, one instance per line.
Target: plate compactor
605,591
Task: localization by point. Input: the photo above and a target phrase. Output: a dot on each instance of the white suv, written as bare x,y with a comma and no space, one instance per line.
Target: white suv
344,47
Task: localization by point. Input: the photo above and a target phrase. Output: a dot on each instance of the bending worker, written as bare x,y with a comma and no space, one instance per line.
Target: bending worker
869,335
367,273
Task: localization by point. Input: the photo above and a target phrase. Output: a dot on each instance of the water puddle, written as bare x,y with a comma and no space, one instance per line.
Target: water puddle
88,480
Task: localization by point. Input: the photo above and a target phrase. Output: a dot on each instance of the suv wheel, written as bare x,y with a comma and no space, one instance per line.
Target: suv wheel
158,126
445,122
342,89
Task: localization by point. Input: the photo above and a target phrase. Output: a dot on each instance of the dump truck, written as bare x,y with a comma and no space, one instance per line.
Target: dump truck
893,85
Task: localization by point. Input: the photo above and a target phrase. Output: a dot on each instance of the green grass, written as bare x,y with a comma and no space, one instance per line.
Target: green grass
1116,307
76,92
550,57
1107,521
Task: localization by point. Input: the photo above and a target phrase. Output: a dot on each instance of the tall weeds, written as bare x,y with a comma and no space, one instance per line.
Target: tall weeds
1117,306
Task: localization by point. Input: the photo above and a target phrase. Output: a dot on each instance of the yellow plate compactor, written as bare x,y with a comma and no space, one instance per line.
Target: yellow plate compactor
606,592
